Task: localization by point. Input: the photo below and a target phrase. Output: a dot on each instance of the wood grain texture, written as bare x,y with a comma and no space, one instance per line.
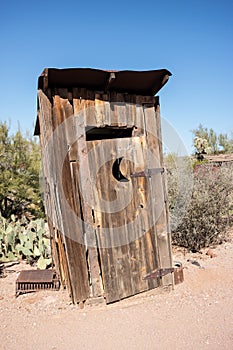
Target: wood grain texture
84,180
162,238
112,248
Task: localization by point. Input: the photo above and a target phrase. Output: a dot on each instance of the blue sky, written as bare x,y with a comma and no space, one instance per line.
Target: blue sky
192,39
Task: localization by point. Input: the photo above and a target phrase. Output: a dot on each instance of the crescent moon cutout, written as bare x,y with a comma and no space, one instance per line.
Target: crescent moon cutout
116,172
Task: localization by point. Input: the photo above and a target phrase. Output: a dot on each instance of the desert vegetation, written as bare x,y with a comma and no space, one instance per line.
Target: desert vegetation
201,193
23,231
209,211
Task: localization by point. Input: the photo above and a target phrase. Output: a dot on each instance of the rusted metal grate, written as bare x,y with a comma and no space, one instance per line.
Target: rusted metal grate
35,280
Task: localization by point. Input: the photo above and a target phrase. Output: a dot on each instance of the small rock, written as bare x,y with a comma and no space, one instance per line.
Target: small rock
211,253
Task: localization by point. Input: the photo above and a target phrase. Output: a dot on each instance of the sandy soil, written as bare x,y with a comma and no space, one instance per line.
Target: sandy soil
198,314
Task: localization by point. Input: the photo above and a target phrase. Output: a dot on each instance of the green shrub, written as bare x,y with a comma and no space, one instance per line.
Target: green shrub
20,161
210,208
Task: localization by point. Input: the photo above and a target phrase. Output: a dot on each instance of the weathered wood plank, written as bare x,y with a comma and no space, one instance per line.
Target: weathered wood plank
80,245
105,225
86,190
89,108
133,224
106,109
118,148
168,246
113,108
63,264
46,127
49,169
72,233
157,191
132,228
120,108
98,111
53,243
89,250
142,205
72,196
130,101
149,242
102,110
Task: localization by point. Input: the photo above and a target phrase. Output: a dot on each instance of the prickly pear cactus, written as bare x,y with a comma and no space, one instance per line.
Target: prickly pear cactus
22,240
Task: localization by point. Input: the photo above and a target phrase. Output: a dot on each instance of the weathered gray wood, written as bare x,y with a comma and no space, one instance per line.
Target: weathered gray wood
46,128
130,101
132,230
168,247
149,241
155,161
144,208
72,234
104,222
63,264
89,108
98,112
121,261
45,118
113,108
120,109
119,219
86,189
106,109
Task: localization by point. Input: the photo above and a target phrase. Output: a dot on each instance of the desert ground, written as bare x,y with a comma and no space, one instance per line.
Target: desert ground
197,314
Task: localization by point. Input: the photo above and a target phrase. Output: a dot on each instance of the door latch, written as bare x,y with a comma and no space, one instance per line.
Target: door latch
158,273
148,172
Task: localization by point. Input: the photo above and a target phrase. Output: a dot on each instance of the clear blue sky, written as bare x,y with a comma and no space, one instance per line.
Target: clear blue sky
192,39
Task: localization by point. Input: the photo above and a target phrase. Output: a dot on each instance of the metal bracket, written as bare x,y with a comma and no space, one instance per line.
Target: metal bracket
158,273
148,172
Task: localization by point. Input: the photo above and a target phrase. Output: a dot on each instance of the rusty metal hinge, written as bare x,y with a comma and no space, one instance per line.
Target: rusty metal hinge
148,172
159,273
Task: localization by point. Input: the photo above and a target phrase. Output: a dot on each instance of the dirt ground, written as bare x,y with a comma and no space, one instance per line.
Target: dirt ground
198,314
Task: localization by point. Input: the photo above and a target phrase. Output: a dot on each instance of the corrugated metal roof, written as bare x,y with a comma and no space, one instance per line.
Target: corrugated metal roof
135,82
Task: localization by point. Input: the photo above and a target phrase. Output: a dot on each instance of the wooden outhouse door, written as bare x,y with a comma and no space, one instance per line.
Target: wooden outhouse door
121,181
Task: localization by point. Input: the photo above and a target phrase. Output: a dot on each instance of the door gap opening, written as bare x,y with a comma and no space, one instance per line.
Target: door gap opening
107,132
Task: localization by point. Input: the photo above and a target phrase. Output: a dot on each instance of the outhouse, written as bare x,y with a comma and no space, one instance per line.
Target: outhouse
104,181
